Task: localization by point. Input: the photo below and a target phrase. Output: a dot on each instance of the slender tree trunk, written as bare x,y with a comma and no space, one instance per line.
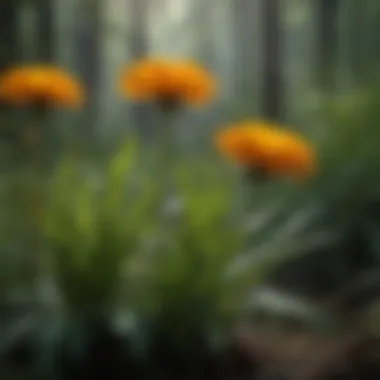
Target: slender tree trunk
243,35
87,44
272,60
139,22
44,30
138,41
327,42
202,18
374,31
359,40
9,54
8,33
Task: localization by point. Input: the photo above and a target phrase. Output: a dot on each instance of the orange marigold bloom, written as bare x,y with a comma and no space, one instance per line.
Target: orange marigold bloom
163,80
40,84
263,146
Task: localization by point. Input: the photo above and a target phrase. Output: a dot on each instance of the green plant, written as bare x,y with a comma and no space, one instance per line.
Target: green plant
92,224
185,264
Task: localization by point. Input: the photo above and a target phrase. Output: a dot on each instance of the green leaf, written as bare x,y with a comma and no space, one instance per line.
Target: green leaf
118,171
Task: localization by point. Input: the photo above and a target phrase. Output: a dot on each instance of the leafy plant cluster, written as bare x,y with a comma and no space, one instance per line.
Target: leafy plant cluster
104,235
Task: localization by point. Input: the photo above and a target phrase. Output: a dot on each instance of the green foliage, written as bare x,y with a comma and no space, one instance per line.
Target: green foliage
349,154
207,257
188,272
114,238
92,222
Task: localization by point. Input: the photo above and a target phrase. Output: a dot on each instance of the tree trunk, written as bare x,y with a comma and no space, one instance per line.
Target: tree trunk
244,48
87,44
44,31
8,33
327,42
272,60
138,41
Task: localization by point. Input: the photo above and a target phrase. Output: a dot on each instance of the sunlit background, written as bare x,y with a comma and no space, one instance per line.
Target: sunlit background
118,262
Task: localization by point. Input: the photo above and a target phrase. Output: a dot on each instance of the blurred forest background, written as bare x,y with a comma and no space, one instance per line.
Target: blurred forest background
276,57
311,64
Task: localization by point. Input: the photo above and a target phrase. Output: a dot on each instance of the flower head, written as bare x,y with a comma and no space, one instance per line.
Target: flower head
268,148
169,82
40,84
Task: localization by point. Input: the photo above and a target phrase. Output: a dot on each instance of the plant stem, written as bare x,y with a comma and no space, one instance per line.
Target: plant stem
167,151
35,182
166,171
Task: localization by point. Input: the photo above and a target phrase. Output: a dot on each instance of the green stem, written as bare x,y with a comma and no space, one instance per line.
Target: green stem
250,194
246,195
165,171
167,153
35,182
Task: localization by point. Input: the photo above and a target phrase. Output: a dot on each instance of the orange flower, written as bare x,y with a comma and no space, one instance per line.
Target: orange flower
165,80
40,84
263,146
